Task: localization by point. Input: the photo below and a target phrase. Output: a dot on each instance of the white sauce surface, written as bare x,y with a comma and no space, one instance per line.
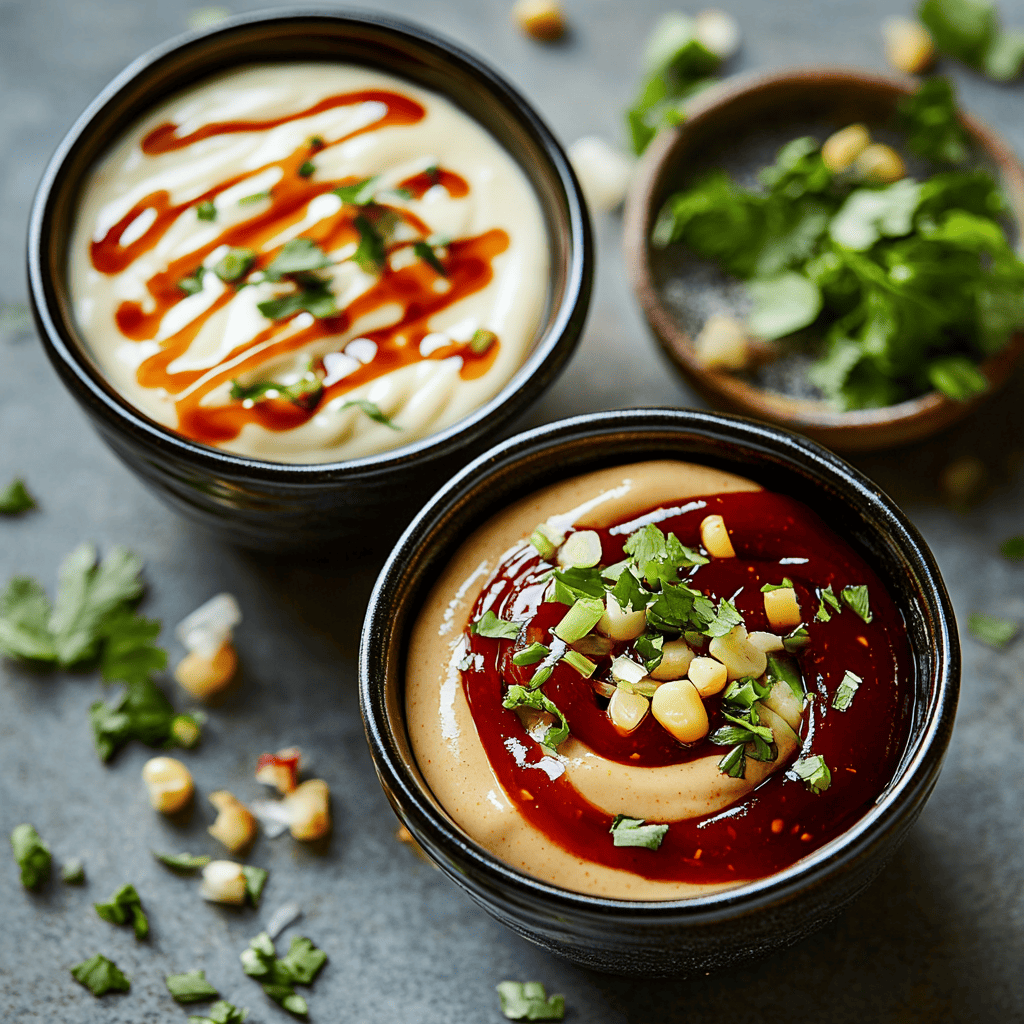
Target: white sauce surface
421,398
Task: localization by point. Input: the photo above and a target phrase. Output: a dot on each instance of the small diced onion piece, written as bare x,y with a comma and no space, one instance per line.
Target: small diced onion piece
715,537
767,642
718,32
235,826
708,676
880,164
625,670
581,550
739,656
676,657
909,46
619,624
309,810
603,171
223,882
169,784
627,711
841,149
722,343
679,710
540,19
209,625
782,608
203,677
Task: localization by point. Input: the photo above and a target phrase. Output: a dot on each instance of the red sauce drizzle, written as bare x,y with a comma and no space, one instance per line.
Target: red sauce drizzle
467,263
780,821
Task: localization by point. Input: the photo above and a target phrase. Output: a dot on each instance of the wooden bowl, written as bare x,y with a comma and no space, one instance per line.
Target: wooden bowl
738,126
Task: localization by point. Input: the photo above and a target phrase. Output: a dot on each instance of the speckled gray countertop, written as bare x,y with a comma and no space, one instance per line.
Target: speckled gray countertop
940,935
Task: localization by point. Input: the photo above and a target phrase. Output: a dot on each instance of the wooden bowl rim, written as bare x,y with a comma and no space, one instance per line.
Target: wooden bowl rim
858,429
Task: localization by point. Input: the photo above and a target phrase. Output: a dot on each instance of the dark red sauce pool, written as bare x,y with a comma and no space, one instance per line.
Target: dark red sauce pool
781,820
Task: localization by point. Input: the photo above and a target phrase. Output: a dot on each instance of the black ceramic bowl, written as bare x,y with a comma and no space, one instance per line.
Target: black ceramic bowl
277,505
708,932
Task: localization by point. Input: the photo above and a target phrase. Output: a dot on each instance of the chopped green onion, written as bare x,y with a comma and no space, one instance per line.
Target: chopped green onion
546,540
581,550
847,688
481,341
583,665
206,210
531,655
633,832
579,620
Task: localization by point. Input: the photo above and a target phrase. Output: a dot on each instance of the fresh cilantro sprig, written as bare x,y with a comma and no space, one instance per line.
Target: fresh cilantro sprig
190,987
124,907
519,697
100,976
304,392
142,713
739,708
528,1000
279,976
813,772
222,1012
970,31
628,831
31,855
490,625
15,499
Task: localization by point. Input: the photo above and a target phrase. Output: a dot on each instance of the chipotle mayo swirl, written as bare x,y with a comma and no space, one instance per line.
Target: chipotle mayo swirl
308,263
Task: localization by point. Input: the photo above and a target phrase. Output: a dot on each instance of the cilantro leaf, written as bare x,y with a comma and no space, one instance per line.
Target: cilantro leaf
629,594
190,987
235,263
491,626
125,906
360,193
531,655
856,598
956,376
873,213
932,122
813,772
222,1012
520,697
680,608
279,976
828,600
315,298
307,170
371,253
786,584
628,831
100,976
784,670
991,629
782,305
303,960
304,392
183,862
297,256
734,764
129,654
529,1001
797,640
574,584
143,713
32,856
255,879
425,252
372,410
15,499
24,621
726,619
845,693
650,647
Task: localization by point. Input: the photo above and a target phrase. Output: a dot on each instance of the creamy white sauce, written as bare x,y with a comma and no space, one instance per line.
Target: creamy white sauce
421,398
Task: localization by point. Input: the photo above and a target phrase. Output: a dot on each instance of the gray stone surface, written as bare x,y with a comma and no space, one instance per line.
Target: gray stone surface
940,936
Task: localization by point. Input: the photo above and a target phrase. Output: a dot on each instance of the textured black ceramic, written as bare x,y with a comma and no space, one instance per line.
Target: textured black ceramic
693,935
277,505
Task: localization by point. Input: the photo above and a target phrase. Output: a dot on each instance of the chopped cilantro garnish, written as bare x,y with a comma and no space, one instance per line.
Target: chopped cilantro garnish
256,197
372,410
255,880
307,170
531,655
125,906
813,772
571,585
847,688
726,619
991,629
786,584
222,1012
194,283
828,600
856,598
528,1000
491,626
72,872
32,856
781,669
15,499
1013,549
969,30
629,594
520,697
360,193
298,256
425,252
184,862
235,263
206,210
100,976
658,557
129,652
315,299
304,392
680,609
143,713
371,253
797,640
299,966
633,832
190,987
650,648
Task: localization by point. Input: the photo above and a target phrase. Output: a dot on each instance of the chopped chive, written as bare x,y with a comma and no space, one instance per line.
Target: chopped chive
254,198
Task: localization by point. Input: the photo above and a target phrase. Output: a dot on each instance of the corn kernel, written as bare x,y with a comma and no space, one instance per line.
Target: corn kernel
880,164
540,19
676,657
909,46
627,711
309,810
708,676
679,710
169,784
842,148
203,677
782,608
740,657
715,538
722,344
235,825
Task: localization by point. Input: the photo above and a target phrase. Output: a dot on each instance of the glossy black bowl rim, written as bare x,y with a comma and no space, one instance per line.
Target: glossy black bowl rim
916,775
550,353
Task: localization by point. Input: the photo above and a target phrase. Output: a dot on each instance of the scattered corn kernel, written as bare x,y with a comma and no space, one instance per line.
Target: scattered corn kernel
309,810
739,656
235,825
169,783
540,19
842,148
782,608
280,770
627,711
678,708
880,164
718,32
909,46
619,624
722,344
767,642
603,171
715,538
185,731
203,677
676,658
708,676
223,882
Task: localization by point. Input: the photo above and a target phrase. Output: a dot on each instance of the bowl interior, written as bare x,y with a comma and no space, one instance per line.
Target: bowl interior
779,461
385,44
739,128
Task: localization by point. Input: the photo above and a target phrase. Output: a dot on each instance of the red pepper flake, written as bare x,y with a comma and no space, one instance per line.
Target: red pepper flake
806,837
526,794
863,640
280,770
696,856
778,825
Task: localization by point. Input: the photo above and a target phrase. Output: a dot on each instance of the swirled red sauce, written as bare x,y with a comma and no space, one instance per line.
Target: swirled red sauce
780,821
